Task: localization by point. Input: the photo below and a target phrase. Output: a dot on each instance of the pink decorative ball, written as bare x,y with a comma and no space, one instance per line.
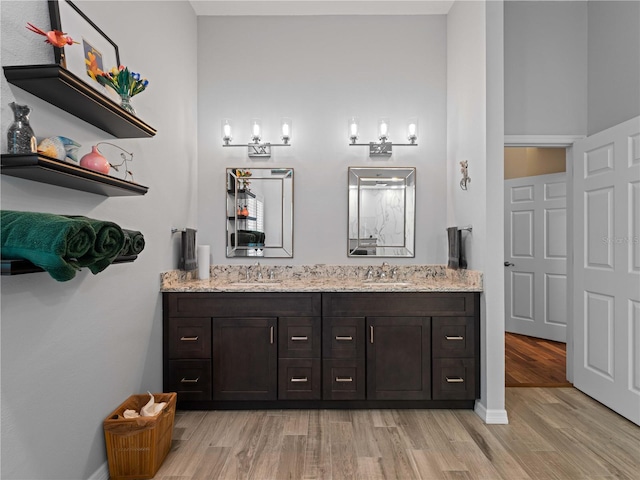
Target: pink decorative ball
95,161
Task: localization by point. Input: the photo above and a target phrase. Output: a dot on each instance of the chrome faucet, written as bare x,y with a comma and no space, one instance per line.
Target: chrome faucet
369,273
394,272
247,274
382,274
259,273
272,274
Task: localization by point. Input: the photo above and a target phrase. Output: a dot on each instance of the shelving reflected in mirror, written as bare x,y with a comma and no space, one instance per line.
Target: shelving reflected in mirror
382,212
259,213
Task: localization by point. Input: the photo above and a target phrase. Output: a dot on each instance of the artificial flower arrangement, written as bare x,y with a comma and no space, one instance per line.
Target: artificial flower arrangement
243,176
123,81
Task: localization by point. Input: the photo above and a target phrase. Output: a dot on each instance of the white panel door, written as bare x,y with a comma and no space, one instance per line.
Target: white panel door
536,256
606,326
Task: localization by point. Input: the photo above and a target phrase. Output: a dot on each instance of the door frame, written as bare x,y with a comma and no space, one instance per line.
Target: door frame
566,142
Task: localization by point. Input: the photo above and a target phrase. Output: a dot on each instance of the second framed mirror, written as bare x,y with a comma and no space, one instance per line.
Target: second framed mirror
382,212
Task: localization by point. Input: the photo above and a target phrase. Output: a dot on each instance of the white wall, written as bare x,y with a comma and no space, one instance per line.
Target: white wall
614,63
73,351
545,51
319,71
475,124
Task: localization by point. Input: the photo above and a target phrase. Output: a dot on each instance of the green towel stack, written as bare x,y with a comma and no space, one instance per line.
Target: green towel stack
60,244
108,244
133,242
52,242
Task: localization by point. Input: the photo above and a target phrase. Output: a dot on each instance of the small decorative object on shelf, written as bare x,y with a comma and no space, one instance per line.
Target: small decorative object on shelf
97,162
53,37
20,137
62,148
125,83
243,177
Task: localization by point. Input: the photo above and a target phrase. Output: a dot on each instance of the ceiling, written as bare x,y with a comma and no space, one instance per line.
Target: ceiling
321,7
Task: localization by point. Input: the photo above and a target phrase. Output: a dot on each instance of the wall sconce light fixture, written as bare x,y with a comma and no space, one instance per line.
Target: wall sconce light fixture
383,148
257,148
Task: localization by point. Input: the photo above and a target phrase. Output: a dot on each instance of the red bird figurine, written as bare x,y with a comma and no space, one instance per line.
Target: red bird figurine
54,37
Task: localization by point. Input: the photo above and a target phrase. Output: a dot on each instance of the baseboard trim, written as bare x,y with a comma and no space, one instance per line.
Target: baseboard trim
540,140
492,416
102,473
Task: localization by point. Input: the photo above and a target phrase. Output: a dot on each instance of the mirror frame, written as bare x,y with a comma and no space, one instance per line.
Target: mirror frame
285,248
357,176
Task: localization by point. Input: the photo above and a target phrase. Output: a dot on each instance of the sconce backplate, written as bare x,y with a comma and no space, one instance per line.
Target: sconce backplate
259,150
382,149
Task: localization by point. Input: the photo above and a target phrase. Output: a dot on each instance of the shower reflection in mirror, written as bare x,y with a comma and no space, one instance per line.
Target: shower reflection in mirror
381,212
259,212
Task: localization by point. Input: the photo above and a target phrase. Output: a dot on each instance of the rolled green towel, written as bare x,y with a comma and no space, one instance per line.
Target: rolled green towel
135,243
51,242
108,244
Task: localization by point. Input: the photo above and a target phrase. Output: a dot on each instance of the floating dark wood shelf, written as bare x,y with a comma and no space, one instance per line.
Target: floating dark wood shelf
20,267
40,168
242,217
61,88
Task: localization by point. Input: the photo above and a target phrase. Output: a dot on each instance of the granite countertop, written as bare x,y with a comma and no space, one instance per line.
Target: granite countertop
325,278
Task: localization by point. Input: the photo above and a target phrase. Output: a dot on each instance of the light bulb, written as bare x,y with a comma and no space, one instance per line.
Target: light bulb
255,130
226,131
287,127
383,129
353,129
412,134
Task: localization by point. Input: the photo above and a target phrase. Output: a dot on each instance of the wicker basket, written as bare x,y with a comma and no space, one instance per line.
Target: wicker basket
136,447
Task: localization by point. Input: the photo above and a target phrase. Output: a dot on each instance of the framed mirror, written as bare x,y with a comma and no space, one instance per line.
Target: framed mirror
259,212
382,212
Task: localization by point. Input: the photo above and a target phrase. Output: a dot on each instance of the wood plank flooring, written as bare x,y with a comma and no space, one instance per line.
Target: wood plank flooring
534,362
554,434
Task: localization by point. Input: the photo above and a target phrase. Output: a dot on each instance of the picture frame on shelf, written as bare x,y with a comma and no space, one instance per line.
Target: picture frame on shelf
95,50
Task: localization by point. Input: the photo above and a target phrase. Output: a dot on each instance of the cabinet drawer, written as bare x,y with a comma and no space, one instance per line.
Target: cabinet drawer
189,338
299,337
242,304
453,337
299,379
343,379
454,379
343,337
399,304
191,379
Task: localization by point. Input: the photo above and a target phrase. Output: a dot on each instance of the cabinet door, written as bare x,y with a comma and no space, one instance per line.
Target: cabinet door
398,358
245,359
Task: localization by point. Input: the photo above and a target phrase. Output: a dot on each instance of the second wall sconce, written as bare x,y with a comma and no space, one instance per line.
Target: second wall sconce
383,148
257,148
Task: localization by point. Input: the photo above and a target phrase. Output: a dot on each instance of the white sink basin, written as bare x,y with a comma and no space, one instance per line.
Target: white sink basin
387,284
254,284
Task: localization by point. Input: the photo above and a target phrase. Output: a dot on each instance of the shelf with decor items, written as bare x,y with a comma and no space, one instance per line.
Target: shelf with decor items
40,168
20,267
57,86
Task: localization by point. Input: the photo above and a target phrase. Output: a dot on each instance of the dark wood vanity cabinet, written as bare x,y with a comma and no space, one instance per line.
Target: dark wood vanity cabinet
340,349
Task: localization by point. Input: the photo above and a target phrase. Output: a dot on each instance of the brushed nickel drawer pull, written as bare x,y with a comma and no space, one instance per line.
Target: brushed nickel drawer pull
371,330
454,337
189,339
344,379
455,380
345,339
271,335
188,380
299,380
299,339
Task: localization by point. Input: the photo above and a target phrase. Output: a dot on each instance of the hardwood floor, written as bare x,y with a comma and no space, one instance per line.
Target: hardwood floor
555,434
534,362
